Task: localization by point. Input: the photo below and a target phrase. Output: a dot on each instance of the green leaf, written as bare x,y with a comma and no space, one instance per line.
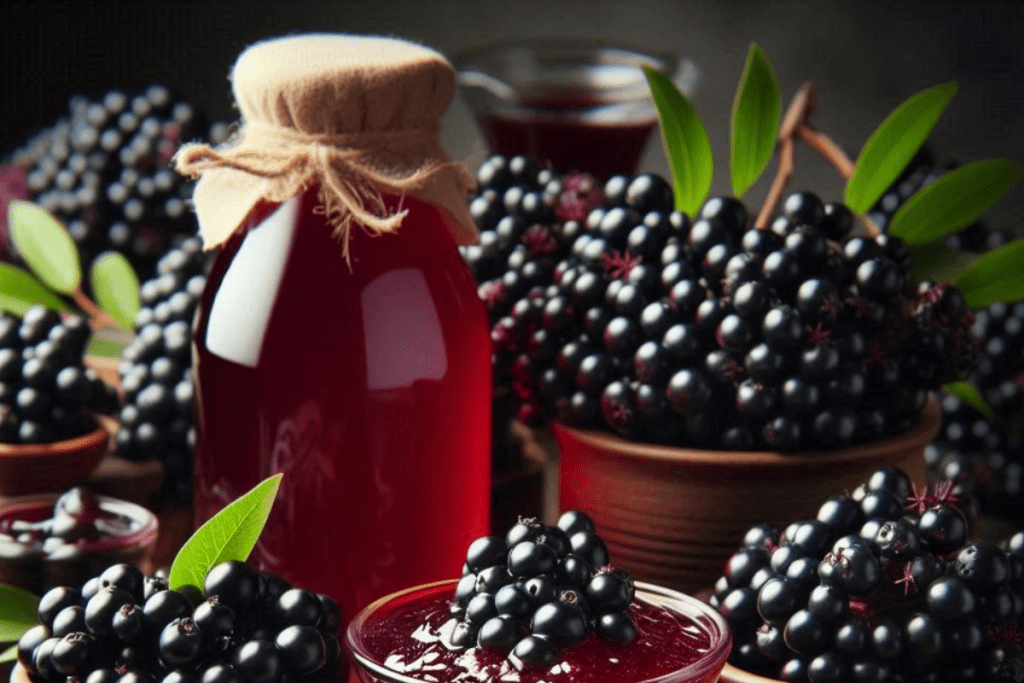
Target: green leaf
228,535
19,611
100,345
969,393
9,655
686,142
995,276
19,291
45,245
756,114
116,287
954,201
937,262
893,144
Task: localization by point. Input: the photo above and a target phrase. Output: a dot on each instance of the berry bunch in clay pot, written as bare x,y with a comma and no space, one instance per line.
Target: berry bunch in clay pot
213,618
103,171
667,317
46,392
884,584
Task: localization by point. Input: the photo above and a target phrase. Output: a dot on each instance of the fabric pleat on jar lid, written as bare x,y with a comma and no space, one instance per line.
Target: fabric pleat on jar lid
359,115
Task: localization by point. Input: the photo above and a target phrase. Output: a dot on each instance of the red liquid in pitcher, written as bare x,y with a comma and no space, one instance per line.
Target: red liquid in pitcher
369,389
555,132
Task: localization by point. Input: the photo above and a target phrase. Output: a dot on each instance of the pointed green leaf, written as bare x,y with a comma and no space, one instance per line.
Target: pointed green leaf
19,611
228,535
995,276
756,114
116,287
969,394
19,291
45,245
893,144
954,201
686,142
100,345
937,262
9,655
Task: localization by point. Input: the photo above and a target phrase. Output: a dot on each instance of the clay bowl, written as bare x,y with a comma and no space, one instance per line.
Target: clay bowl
50,467
32,569
673,516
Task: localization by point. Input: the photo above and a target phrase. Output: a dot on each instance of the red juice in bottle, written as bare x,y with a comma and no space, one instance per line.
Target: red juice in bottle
368,387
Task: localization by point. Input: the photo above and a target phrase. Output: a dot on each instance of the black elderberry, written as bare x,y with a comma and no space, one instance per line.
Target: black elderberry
298,606
180,642
257,661
805,633
535,651
235,583
100,609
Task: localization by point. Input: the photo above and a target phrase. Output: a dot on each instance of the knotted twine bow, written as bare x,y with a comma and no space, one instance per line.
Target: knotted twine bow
353,172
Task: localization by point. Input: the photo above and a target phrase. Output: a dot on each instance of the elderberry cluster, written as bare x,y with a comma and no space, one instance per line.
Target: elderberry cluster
122,626
156,419
539,590
884,585
709,332
46,393
988,456
104,173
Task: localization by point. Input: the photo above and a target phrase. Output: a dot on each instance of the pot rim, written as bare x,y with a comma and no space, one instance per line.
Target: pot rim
99,436
921,433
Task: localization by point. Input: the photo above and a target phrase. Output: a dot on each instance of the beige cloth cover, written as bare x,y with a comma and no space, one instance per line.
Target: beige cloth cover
357,114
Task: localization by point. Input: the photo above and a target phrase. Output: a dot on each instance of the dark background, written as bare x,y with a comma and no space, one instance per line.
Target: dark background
865,58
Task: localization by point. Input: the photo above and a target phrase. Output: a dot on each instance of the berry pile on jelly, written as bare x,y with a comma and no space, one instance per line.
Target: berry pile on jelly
705,331
884,585
103,172
988,455
156,369
539,590
77,520
123,626
46,393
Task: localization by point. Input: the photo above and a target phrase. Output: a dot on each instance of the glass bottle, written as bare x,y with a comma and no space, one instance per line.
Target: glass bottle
354,360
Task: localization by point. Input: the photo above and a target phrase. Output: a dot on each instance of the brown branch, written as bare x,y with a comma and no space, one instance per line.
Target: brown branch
825,146
98,318
796,116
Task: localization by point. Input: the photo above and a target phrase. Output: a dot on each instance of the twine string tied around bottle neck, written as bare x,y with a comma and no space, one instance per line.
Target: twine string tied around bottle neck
353,170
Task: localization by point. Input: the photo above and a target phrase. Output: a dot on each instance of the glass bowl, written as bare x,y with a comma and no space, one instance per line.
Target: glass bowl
703,618
576,105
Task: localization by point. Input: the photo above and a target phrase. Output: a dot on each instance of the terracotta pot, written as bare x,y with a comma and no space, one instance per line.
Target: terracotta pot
673,516
48,467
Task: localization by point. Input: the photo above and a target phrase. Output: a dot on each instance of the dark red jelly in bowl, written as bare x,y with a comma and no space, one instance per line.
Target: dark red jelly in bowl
40,549
679,640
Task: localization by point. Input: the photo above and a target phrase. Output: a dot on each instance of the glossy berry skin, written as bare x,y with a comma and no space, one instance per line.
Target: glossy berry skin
301,648
257,661
499,633
561,624
300,607
534,651
180,642
235,583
